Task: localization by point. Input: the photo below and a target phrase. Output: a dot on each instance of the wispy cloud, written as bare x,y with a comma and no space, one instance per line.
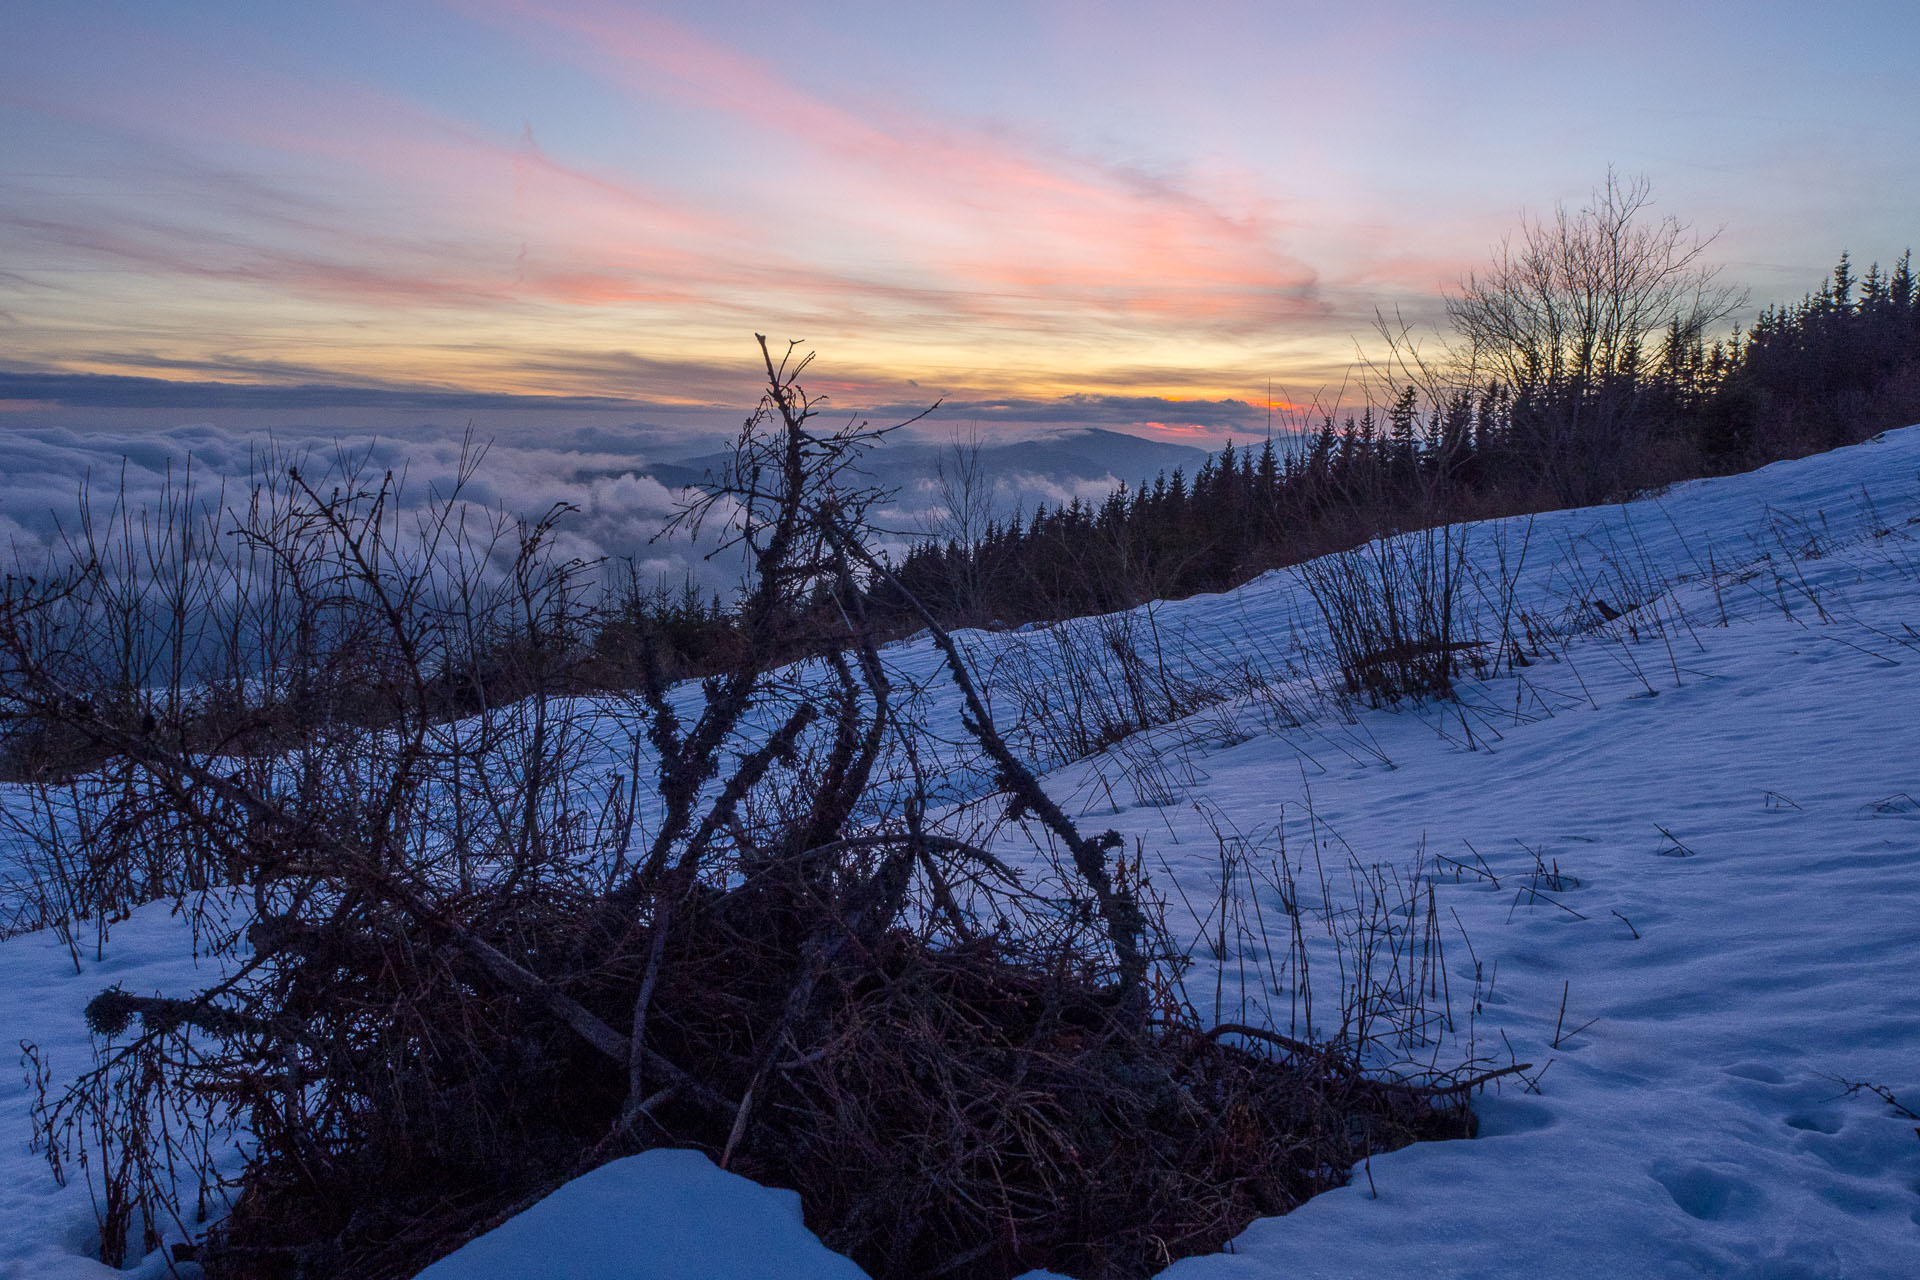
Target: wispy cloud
69,390
986,221
1082,409
293,206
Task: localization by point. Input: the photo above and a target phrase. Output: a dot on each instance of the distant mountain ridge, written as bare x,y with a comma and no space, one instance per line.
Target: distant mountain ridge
1089,453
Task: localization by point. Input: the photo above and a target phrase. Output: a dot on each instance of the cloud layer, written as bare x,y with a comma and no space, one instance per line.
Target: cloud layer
617,512
597,471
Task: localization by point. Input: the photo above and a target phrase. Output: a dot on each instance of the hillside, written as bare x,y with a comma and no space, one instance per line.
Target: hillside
1672,862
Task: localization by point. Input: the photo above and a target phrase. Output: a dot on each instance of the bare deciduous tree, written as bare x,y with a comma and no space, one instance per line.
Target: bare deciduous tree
1575,299
963,493
1562,315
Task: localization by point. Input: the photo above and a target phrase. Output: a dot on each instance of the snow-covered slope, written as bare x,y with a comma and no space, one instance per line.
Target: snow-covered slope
1700,1124
1724,786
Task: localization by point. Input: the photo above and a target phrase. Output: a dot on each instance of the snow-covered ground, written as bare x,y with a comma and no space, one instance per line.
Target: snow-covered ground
1724,786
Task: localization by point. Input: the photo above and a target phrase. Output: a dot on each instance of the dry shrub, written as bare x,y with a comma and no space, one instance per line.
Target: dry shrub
1080,686
988,1118
1394,613
976,1109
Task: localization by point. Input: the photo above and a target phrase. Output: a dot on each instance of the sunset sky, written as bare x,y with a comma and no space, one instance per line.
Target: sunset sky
1104,213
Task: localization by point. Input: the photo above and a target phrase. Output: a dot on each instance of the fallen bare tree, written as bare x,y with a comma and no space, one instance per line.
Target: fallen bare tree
470,956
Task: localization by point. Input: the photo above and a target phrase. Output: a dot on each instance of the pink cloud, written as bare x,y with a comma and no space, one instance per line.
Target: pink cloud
969,209
979,255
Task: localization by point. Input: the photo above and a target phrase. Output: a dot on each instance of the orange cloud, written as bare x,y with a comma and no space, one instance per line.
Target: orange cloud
1185,429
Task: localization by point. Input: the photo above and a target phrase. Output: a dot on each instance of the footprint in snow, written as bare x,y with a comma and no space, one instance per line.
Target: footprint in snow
1706,1193
1815,1122
1761,1071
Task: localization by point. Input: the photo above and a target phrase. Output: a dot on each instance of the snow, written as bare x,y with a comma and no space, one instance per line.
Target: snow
1699,1125
660,1215
48,1231
1726,782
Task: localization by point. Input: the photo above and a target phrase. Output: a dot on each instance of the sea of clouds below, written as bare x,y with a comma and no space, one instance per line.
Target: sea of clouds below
619,513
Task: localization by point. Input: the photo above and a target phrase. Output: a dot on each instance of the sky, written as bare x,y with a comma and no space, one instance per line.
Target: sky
521,212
